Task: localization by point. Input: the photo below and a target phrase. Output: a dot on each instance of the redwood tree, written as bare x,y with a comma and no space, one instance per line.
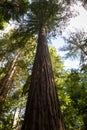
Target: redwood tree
5,82
43,108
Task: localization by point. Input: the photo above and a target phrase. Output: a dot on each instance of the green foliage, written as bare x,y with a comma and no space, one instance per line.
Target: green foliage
71,86
50,13
10,108
75,111
47,10
13,100
12,10
76,46
20,82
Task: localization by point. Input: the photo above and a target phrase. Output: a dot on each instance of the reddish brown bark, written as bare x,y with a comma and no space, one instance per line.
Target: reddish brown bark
43,109
5,82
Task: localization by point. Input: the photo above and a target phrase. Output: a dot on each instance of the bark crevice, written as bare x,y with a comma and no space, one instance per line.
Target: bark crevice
42,109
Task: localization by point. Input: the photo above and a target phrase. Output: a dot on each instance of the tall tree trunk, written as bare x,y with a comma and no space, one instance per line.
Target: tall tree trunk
5,82
42,109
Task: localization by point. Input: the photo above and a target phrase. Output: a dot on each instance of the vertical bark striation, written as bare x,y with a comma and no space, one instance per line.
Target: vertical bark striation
5,82
43,109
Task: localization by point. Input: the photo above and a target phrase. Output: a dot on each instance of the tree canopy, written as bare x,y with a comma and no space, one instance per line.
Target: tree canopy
17,53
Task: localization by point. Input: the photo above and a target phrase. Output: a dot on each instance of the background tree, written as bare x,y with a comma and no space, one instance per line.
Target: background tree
18,95
12,9
76,88
68,84
9,48
76,47
12,53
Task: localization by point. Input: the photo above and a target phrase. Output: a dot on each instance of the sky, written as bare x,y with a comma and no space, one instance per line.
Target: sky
77,23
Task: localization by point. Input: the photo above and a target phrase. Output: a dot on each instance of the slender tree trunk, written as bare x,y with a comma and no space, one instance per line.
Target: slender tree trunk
16,126
5,82
42,109
13,120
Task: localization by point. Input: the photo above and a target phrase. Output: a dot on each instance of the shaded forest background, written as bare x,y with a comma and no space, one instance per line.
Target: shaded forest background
17,52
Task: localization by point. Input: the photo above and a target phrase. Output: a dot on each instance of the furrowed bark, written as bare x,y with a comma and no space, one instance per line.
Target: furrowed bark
42,109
